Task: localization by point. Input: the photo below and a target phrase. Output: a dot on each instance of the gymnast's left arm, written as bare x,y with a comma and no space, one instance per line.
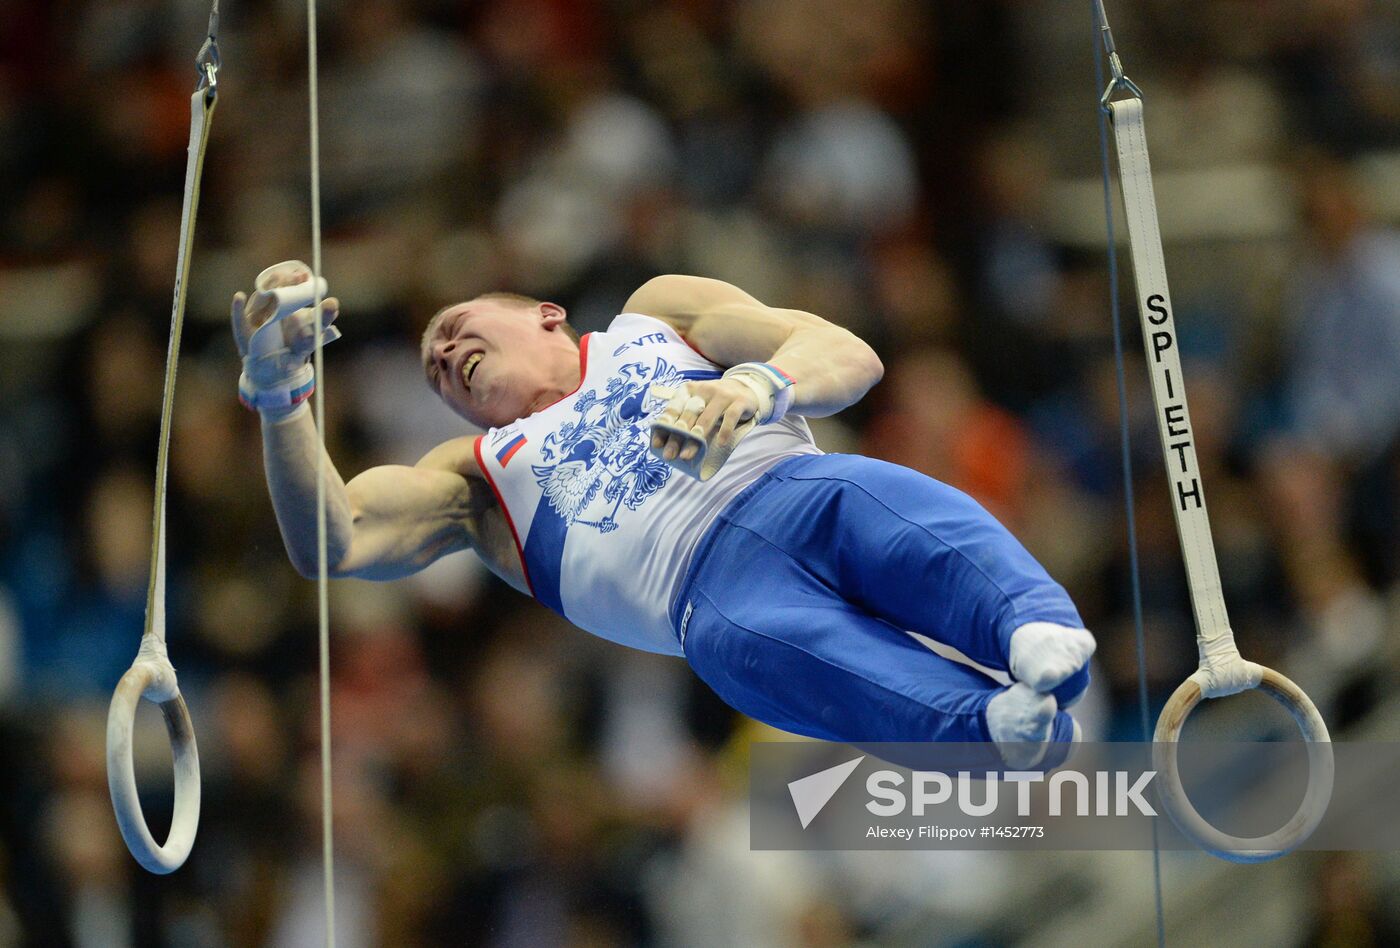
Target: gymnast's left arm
830,367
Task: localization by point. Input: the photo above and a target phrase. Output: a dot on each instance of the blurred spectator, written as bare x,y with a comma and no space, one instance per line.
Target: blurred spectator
1338,60
936,422
1345,311
400,106
1349,911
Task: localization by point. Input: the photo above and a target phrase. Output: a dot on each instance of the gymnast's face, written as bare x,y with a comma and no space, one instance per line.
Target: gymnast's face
495,361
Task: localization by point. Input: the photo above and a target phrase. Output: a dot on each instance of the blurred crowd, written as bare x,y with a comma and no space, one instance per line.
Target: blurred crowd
923,173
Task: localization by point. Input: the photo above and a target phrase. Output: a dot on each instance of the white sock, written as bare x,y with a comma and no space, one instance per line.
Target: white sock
1020,721
1044,654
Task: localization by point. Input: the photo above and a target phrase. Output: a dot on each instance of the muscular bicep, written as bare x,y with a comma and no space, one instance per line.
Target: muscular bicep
831,366
405,518
722,321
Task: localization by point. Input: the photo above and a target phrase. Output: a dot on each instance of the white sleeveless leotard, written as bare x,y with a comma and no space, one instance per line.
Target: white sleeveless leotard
603,527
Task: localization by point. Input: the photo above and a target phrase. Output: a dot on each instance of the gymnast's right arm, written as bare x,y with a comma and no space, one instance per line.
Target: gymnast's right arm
387,522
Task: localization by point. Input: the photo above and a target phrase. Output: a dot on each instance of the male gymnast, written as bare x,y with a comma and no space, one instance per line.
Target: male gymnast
787,578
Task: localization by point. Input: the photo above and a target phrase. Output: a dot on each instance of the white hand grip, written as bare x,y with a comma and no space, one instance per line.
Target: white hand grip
1321,771
268,337
709,458
148,676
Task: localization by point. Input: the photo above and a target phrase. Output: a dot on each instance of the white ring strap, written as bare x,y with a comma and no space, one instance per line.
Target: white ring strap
151,674
1222,670
1216,641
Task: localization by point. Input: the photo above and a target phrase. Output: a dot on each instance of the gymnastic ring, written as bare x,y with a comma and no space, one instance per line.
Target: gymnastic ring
121,775
1321,772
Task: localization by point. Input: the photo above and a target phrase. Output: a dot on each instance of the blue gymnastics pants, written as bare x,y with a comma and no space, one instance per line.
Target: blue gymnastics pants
795,604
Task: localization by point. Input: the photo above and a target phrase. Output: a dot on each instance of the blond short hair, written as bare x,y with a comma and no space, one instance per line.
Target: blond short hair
502,296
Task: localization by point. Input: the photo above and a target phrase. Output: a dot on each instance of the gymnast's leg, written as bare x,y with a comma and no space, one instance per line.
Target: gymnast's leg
926,557
796,658
779,644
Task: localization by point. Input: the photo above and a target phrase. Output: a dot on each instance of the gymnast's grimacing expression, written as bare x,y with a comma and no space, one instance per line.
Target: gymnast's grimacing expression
494,361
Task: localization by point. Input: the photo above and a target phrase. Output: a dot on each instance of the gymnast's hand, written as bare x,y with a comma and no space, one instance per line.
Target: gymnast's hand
702,424
275,330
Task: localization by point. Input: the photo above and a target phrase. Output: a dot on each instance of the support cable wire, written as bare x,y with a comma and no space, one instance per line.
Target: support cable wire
1125,437
322,578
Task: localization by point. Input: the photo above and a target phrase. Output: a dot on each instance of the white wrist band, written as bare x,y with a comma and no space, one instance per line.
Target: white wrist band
285,395
771,384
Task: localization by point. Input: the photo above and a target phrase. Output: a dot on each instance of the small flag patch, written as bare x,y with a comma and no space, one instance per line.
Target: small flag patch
508,451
